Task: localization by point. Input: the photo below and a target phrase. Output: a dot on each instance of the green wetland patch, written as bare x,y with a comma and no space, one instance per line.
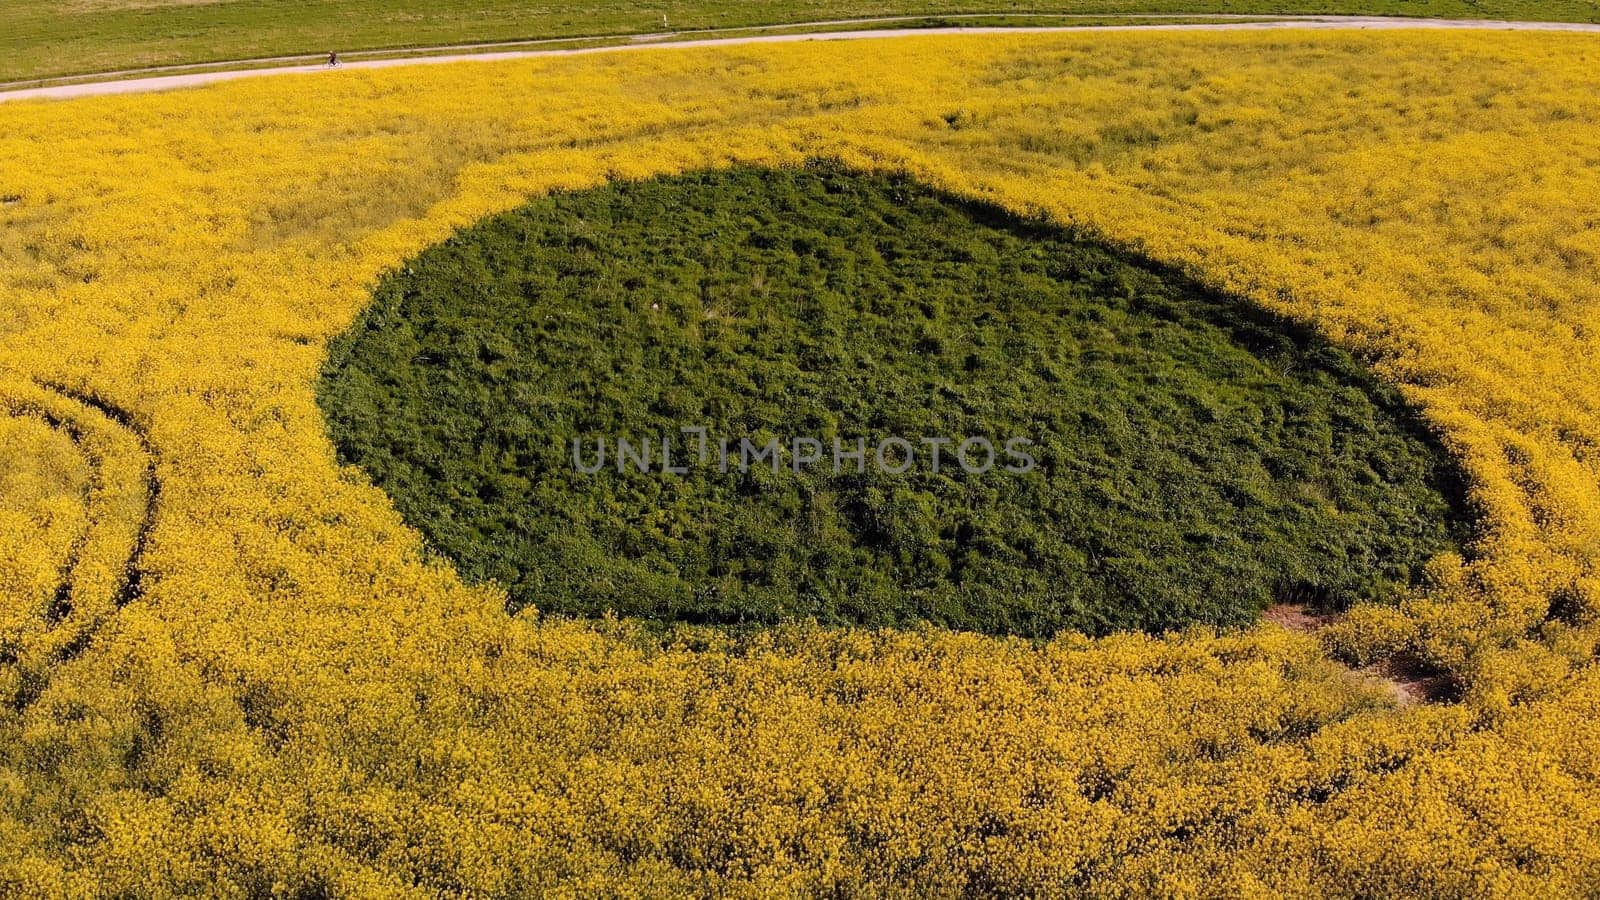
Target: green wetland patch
1195,459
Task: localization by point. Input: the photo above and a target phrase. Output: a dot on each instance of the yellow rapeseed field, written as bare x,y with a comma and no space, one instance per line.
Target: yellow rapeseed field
227,667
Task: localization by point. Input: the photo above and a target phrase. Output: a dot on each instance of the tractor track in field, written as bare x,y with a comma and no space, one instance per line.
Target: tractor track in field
122,83
89,411
131,587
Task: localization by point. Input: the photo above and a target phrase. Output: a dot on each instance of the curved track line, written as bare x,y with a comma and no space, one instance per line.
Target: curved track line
71,621
131,587
1318,23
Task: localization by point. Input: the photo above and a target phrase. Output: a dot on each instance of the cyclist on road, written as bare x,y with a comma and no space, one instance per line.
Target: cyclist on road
333,59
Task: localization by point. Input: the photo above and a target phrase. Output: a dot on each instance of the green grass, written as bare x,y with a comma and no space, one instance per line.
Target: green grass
1197,459
46,38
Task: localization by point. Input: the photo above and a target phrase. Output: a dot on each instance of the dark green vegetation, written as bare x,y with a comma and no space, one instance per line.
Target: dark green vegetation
42,38
1196,459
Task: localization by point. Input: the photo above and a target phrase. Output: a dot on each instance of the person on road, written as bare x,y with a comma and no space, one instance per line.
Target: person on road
333,58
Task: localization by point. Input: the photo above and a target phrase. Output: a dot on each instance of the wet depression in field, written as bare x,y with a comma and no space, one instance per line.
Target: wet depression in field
1195,459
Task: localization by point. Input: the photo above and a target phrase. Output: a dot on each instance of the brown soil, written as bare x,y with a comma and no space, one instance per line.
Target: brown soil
1411,681
1295,617
1404,674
